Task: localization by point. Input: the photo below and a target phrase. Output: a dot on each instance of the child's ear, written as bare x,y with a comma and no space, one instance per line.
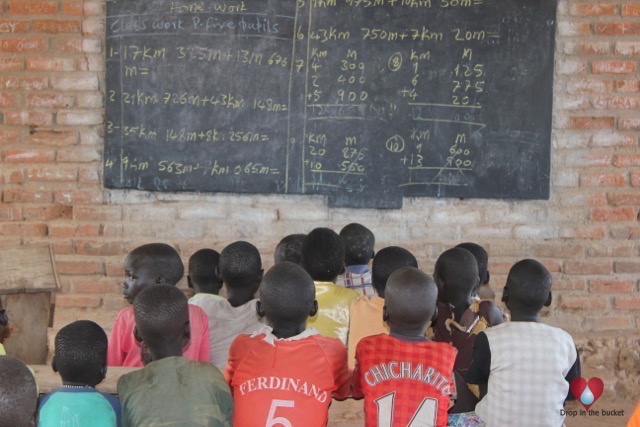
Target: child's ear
434,318
136,334
189,282
54,365
505,295
548,301
314,309
186,333
488,278
103,372
385,313
160,280
259,308
342,269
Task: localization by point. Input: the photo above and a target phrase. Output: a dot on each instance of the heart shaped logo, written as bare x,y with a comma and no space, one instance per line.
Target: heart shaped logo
587,392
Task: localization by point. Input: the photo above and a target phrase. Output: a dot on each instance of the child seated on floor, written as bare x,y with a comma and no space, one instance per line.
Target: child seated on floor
524,367
19,394
286,374
460,317
405,378
323,259
359,244
241,271
5,329
152,264
171,389
365,313
203,274
482,291
289,249
80,356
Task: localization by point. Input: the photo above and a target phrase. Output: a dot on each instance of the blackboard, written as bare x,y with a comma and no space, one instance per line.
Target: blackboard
365,101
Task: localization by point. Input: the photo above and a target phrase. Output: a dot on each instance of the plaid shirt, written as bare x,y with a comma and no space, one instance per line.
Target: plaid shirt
403,381
358,278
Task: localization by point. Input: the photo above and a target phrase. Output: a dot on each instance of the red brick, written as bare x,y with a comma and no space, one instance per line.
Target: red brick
69,44
51,64
620,28
24,230
28,118
616,103
77,301
8,100
23,83
9,136
587,267
80,268
27,7
602,179
613,67
608,323
114,269
584,199
73,8
29,156
27,196
15,177
626,303
625,233
631,9
53,137
11,63
53,174
24,45
614,140
613,215
62,248
52,26
582,9
12,26
626,267
70,230
79,155
587,48
585,158
99,248
624,199
89,176
575,302
591,123
9,213
47,213
95,286
635,179
626,160
569,284
49,101
589,85
610,286
629,123
568,29
75,81
72,197
79,117
98,213
627,48
627,85
582,233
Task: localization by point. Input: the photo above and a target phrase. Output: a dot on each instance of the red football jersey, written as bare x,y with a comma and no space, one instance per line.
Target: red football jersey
286,382
404,384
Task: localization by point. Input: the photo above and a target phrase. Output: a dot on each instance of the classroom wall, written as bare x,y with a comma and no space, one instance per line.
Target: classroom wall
52,88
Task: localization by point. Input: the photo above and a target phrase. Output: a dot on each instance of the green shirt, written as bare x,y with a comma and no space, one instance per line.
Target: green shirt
175,391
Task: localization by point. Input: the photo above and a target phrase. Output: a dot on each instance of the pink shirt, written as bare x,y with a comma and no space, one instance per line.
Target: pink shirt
124,350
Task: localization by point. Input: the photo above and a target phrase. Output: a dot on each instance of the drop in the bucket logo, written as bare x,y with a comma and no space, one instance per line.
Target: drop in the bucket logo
587,392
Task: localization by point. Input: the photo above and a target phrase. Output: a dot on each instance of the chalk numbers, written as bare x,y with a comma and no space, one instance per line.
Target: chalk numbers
425,415
272,420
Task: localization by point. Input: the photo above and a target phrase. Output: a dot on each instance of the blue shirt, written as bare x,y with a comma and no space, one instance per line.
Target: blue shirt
79,407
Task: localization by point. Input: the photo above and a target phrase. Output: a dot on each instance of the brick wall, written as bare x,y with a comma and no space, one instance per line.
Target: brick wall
51,116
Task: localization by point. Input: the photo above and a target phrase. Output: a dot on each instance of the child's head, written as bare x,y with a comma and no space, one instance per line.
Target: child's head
81,353
410,301
241,266
162,320
358,244
203,274
323,255
528,288
456,274
385,262
289,249
287,296
153,263
18,393
5,329
482,258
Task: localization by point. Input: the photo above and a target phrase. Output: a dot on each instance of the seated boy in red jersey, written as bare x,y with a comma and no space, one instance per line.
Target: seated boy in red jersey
152,264
365,313
286,374
405,378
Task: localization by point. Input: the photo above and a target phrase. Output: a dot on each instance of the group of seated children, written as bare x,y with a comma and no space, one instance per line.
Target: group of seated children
421,350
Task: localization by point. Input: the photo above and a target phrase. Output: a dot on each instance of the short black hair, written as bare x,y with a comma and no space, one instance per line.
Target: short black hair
161,258
160,312
410,296
482,258
81,353
529,283
18,393
359,244
388,260
204,271
287,293
323,254
240,265
289,249
457,268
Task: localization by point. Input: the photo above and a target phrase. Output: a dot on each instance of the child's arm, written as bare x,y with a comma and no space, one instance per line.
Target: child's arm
480,368
203,350
341,373
115,353
574,372
356,384
493,313
232,361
